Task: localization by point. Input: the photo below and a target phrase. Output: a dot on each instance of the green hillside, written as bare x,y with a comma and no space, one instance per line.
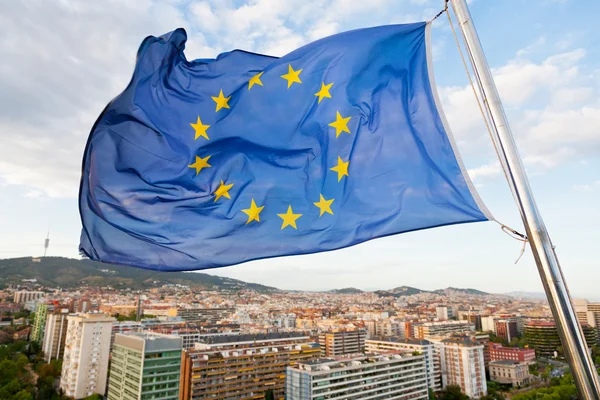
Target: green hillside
69,273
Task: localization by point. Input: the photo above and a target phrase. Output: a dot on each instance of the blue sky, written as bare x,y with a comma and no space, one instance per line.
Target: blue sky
64,60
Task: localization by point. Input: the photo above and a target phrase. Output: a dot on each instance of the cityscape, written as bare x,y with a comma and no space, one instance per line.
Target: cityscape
178,341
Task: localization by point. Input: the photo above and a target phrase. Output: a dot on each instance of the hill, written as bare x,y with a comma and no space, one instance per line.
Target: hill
69,273
349,290
400,291
473,292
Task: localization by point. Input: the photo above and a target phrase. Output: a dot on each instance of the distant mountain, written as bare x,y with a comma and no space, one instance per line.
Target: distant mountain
473,292
527,295
400,291
69,273
409,291
349,290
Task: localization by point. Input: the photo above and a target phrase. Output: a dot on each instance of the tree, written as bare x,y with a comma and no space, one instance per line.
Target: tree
452,392
432,394
22,395
269,395
10,389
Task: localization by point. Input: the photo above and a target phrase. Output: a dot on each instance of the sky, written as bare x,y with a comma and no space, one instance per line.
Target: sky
63,61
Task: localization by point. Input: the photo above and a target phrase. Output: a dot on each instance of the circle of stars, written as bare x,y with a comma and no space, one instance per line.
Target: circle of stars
289,218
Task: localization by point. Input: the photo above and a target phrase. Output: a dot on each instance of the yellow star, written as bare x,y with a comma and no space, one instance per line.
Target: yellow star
340,124
221,100
292,76
200,163
324,205
289,218
341,168
223,191
253,212
255,80
200,129
324,92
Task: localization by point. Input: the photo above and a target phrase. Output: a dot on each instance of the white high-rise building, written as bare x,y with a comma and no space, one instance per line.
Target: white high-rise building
382,376
87,347
55,333
463,364
426,348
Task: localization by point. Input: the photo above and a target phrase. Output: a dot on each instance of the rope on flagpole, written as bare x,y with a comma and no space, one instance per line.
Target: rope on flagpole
513,233
440,13
477,99
517,236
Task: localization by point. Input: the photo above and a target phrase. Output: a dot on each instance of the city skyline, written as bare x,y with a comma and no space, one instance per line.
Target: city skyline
546,71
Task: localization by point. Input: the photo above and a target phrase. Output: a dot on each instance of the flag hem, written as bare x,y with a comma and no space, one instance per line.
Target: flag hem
440,110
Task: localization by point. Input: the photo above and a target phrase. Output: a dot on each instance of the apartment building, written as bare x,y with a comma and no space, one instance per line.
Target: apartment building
242,366
506,329
463,364
205,315
85,362
342,341
428,330
433,370
39,322
588,314
388,375
145,365
55,333
23,297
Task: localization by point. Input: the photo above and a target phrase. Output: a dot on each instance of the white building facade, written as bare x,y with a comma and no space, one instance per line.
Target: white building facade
87,348
365,377
426,348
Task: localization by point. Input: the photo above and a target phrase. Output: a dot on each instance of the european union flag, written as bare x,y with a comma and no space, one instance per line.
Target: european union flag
214,162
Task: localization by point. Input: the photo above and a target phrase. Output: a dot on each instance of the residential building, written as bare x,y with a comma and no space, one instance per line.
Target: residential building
55,333
39,322
588,314
462,364
432,360
145,365
499,352
85,362
444,313
590,334
23,297
389,375
242,366
191,337
510,372
472,317
427,330
338,342
482,339
205,315
506,329
543,337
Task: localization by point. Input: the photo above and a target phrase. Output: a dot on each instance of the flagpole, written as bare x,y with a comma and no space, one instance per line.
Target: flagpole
571,335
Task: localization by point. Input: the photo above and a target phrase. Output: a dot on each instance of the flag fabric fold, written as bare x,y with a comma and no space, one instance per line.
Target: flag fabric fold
214,162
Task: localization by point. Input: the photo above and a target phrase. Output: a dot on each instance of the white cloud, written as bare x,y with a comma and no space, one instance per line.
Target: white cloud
552,106
485,172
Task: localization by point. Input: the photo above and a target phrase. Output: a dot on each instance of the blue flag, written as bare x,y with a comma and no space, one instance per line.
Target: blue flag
214,162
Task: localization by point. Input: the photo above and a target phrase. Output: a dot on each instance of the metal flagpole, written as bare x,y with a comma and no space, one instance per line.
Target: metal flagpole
571,335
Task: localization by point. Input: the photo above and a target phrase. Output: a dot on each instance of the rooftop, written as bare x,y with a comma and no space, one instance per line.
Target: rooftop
263,337
396,339
352,360
505,362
